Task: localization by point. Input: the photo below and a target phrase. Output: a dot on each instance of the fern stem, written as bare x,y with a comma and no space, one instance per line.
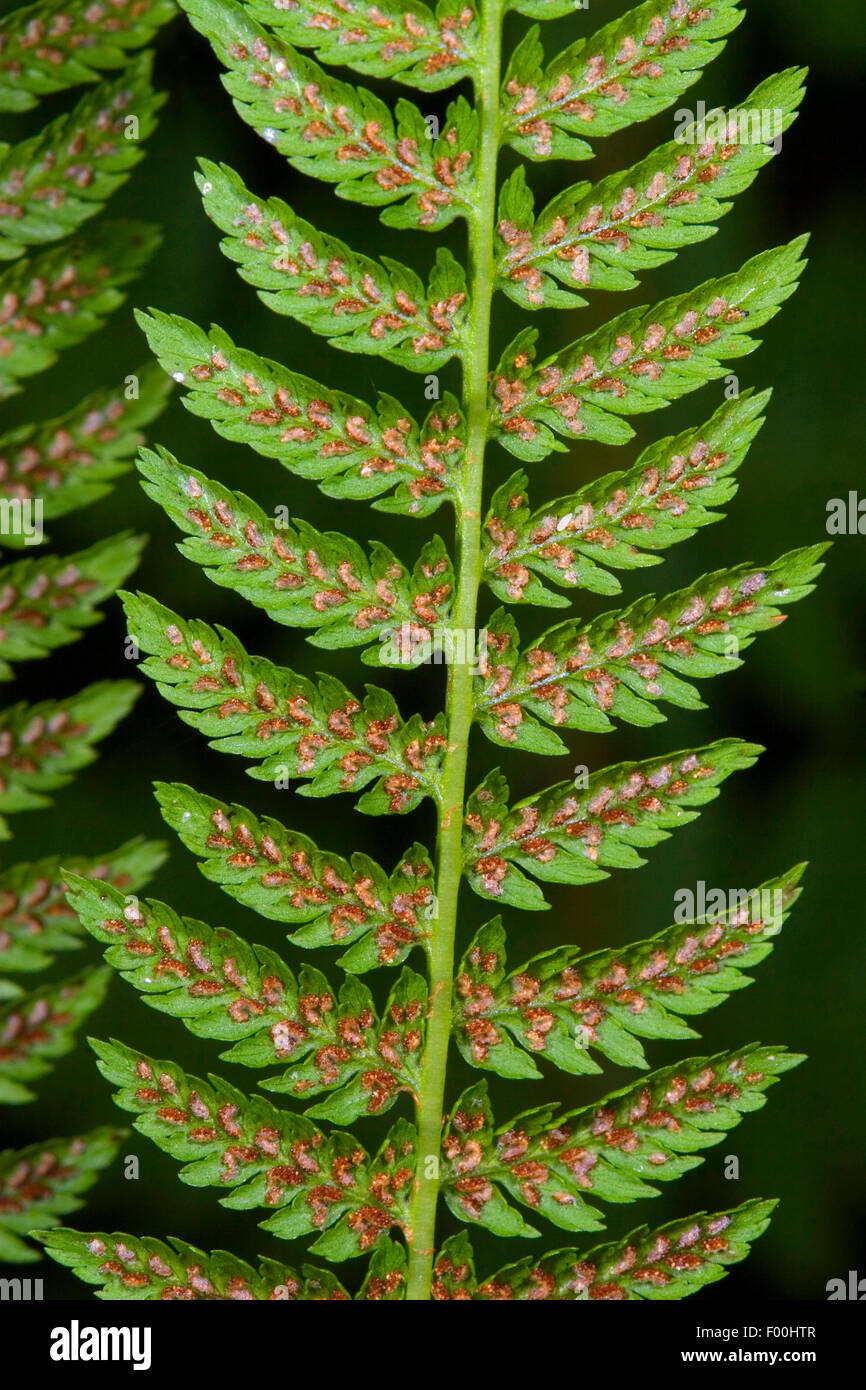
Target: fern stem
449,851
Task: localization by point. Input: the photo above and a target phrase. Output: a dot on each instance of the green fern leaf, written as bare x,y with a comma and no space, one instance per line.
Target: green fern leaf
583,675
139,1267
43,1182
406,42
597,236
641,361
340,133
358,304
621,520
558,1164
563,835
543,9
671,1262
628,71
41,1026
303,577
566,1004
294,727
46,48
42,745
266,1157
283,876
51,184
221,987
343,1048
454,1266
346,446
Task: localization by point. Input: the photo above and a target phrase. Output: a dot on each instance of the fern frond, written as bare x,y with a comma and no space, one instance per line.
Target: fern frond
283,876
347,447
139,1267
626,72
46,601
407,42
563,835
621,520
343,134
70,462
565,1004
640,361
304,577
41,1026
42,1183
596,236
293,727
342,1047
559,1164
55,299
583,675
47,47
222,987
35,918
56,180
357,304
671,1262
42,745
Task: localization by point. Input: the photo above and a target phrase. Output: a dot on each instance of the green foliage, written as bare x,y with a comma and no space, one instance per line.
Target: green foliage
48,601
68,292
41,1026
358,304
35,917
296,727
337,132
88,150
331,1041
668,1263
596,236
566,1003
642,360
146,1268
407,42
43,745
285,877
72,461
630,70
349,448
41,1183
620,520
48,47
224,988
565,836
578,675
267,1157
555,1164
50,185
56,290
304,577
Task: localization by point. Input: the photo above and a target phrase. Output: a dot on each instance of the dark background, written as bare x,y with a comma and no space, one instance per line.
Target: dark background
801,692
